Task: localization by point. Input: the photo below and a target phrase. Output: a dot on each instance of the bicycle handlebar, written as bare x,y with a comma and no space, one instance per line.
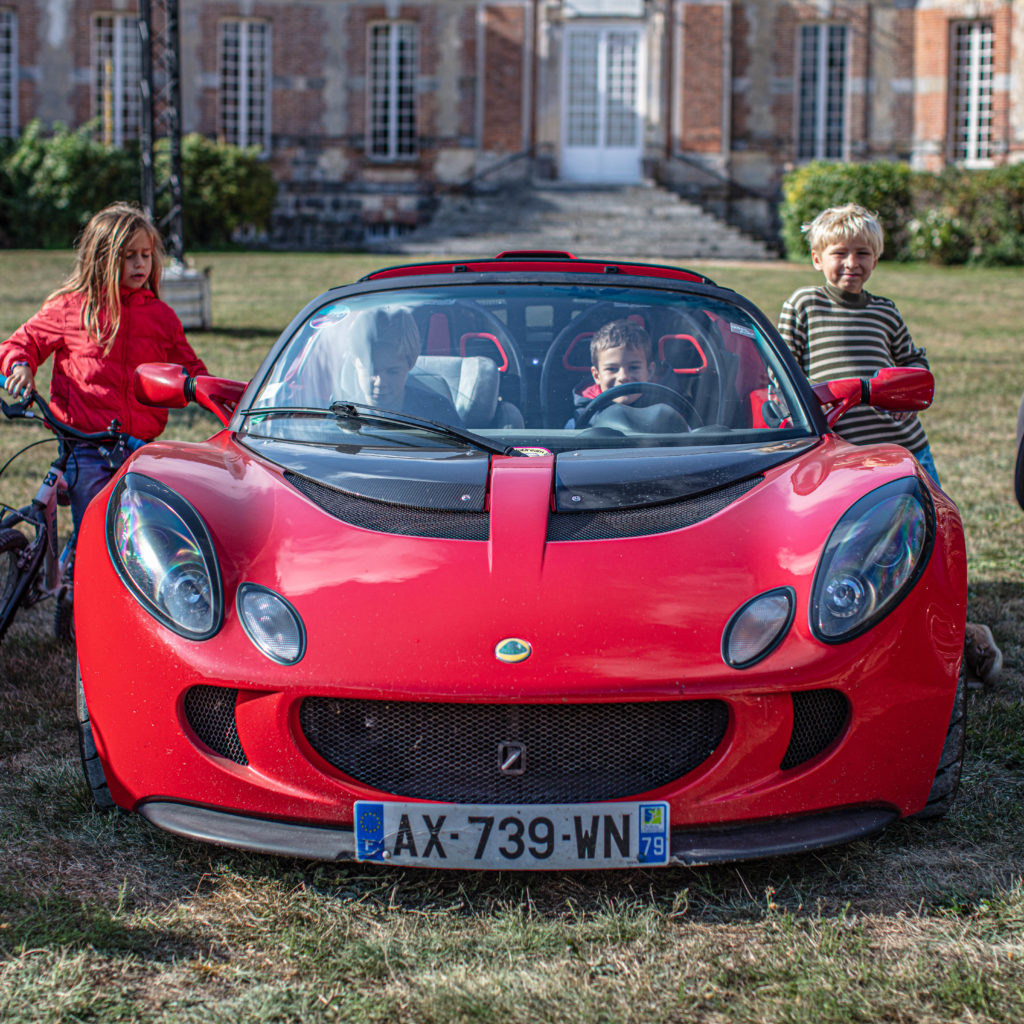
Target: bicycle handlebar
112,433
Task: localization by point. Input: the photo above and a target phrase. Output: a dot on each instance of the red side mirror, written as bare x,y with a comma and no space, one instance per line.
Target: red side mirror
839,395
902,389
169,386
162,384
895,388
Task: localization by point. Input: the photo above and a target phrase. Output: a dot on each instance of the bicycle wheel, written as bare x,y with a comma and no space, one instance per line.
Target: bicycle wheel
92,769
12,543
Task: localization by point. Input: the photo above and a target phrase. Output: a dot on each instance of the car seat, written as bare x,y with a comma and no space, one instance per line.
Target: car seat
473,384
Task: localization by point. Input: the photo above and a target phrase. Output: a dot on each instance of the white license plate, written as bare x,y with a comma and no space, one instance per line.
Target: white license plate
532,837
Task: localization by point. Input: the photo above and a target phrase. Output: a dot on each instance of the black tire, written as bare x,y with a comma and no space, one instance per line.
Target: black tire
12,543
947,775
64,620
92,769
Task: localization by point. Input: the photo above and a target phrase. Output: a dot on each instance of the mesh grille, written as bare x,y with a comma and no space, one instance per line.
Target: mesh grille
210,711
819,716
638,522
572,752
387,518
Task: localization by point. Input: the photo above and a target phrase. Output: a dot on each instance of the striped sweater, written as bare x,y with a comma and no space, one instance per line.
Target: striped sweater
838,334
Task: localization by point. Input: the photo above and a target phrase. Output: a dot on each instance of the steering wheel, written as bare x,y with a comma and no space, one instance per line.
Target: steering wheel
657,392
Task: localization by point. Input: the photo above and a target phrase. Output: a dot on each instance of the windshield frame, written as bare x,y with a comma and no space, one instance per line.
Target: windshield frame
454,283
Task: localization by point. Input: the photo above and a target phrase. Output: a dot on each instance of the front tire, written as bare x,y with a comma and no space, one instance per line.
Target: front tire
92,769
12,544
64,621
947,775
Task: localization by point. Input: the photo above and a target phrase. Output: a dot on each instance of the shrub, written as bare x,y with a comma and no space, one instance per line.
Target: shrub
53,184
938,236
957,216
882,187
50,185
226,190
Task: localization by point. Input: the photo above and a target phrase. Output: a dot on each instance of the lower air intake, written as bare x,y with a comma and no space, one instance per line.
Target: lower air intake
210,713
819,718
552,753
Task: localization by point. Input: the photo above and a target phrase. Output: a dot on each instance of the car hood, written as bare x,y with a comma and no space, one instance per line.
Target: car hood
625,600
584,480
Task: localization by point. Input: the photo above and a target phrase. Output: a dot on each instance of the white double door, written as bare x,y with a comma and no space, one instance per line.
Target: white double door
602,104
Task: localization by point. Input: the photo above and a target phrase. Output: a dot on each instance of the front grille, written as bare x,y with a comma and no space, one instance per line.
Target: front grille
609,524
210,712
819,716
573,752
371,514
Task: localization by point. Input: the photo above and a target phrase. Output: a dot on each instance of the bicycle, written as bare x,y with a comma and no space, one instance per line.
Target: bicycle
32,568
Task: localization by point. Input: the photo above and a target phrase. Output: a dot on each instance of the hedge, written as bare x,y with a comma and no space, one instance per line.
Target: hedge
957,216
51,184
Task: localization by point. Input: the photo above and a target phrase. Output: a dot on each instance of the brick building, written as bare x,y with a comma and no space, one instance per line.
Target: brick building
367,110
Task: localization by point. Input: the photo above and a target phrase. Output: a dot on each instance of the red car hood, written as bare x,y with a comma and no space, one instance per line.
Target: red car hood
419,617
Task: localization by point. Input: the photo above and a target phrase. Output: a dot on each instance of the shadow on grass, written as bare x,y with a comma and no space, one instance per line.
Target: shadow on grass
53,920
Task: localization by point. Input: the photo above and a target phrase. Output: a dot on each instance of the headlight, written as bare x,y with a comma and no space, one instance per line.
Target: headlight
271,623
163,553
757,628
873,557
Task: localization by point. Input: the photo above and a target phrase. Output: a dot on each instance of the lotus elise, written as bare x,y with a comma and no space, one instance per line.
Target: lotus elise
437,596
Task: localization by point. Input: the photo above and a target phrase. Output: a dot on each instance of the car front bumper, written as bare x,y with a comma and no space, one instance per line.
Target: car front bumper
689,847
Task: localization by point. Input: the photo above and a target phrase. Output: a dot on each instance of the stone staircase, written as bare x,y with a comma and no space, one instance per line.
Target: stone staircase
627,222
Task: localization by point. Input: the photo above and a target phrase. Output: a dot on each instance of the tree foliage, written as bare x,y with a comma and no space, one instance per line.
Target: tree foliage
957,216
52,183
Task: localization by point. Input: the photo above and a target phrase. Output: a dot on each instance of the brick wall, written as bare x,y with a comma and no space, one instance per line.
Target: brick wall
503,73
702,93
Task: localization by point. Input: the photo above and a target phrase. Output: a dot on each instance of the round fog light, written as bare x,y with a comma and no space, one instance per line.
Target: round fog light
757,628
271,623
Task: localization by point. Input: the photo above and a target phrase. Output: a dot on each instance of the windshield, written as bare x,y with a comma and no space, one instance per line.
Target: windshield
545,367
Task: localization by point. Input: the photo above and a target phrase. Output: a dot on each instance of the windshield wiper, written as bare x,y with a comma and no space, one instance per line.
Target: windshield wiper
368,413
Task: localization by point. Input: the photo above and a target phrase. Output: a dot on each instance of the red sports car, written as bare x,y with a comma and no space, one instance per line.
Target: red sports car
525,562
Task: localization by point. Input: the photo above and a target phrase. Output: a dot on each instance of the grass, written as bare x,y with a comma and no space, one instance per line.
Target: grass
102,918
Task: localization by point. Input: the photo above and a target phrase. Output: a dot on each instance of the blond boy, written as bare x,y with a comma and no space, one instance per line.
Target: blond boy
837,329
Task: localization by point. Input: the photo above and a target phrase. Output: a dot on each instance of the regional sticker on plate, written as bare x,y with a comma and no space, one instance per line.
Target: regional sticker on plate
531,837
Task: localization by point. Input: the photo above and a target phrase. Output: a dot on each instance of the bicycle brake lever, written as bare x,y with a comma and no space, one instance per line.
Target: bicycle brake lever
17,409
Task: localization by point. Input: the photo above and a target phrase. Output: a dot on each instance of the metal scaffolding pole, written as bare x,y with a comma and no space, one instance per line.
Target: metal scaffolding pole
161,118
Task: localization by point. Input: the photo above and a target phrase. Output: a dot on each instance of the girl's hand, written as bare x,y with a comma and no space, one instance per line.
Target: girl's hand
20,381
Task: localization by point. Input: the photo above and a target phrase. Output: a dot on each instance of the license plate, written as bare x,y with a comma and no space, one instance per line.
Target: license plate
534,837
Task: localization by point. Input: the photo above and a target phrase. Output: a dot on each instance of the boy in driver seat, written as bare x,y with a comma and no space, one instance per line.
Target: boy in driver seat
621,352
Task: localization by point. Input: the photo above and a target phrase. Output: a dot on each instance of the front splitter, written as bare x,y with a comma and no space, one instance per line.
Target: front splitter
772,837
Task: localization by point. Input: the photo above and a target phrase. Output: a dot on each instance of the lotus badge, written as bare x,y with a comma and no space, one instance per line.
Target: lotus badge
512,649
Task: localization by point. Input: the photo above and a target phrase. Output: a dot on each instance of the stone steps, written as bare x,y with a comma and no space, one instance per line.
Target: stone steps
636,222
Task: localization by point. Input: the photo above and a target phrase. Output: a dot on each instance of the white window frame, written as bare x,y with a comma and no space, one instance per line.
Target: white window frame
248,76
822,91
8,73
391,115
971,81
116,76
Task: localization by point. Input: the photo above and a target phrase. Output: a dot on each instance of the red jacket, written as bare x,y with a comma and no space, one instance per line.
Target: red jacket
87,388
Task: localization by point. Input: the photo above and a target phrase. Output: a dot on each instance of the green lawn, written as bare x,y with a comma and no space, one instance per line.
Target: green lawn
106,919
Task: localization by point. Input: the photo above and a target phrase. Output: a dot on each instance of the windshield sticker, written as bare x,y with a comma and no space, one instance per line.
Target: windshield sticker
329,316
532,451
740,329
